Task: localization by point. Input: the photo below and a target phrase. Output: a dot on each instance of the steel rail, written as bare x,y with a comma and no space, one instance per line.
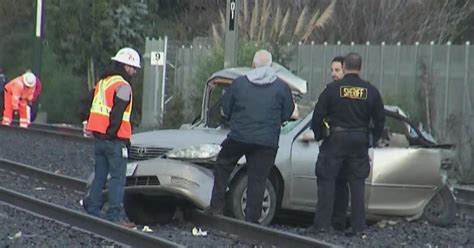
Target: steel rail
44,129
45,176
254,233
245,231
83,221
58,128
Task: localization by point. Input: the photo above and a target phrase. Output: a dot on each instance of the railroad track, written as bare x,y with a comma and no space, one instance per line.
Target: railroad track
464,199
240,230
59,128
49,129
109,230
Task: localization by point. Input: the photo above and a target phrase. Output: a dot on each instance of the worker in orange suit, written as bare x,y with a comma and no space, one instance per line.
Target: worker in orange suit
18,93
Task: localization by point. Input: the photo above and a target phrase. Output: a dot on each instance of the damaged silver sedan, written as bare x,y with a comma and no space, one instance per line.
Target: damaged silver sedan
173,168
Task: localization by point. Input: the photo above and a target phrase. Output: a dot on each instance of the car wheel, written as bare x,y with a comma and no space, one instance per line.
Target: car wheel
142,210
237,200
441,210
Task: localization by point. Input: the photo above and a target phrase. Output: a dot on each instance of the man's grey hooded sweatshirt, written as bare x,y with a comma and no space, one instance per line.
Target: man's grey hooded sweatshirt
256,105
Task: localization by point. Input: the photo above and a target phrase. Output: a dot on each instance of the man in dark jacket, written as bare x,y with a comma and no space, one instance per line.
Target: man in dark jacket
256,105
349,105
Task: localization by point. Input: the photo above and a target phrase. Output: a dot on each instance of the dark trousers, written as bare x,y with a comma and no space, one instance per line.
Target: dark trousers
108,160
34,111
341,201
342,152
260,160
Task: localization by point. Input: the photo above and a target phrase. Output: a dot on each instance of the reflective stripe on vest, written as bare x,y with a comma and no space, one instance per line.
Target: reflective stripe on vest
102,103
99,103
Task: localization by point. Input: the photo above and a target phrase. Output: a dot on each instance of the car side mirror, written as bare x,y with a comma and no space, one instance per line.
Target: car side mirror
307,136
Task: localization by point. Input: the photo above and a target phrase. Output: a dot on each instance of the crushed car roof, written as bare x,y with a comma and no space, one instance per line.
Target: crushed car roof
226,76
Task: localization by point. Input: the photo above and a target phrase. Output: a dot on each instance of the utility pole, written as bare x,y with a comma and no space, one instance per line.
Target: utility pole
231,36
38,37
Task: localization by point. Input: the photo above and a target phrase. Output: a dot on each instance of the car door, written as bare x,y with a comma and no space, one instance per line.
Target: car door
303,185
406,170
304,152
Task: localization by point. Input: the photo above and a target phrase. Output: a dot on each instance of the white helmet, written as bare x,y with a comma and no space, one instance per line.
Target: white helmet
128,56
29,79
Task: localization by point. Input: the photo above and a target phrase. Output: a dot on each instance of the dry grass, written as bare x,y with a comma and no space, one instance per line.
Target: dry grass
301,22
254,21
266,22
276,23
284,24
318,21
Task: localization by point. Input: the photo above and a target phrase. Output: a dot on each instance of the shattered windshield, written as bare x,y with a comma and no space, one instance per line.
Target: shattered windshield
215,119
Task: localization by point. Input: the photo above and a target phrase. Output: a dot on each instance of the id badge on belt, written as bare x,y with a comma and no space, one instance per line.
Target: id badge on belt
124,152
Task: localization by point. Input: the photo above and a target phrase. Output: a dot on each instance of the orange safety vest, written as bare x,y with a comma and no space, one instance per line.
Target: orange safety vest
102,105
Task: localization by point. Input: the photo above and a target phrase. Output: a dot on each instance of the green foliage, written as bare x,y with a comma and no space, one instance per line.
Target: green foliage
16,29
93,29
247,50
173,116
62,90
15,53
413,110
137,84
214,62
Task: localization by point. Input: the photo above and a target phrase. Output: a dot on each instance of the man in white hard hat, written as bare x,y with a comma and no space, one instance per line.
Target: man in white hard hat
109,123
18,93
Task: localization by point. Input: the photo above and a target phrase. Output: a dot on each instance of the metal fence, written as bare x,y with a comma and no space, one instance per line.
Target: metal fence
187,63
405,75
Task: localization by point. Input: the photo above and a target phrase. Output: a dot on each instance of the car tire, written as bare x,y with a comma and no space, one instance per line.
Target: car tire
237,197
142,210
441,209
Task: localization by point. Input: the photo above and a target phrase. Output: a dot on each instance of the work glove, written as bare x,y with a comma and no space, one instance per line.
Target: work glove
85,132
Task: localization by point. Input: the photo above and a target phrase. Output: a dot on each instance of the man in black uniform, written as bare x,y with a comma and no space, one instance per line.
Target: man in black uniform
348,105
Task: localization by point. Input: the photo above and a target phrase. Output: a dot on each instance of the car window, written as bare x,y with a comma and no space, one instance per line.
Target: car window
215,118
289,125
303,108
394,134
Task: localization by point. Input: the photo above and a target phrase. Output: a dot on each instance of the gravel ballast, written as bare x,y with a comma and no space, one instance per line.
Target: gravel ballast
177,231
23,229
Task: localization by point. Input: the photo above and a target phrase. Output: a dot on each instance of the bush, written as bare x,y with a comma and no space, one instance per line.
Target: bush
62,91
215,62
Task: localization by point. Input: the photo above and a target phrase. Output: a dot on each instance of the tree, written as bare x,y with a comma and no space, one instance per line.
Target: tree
397,20
89,31
16,35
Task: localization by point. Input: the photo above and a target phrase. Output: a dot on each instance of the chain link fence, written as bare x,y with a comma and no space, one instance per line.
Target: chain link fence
431,82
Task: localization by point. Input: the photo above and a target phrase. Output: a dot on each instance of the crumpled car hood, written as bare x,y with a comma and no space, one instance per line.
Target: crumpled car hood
179,138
